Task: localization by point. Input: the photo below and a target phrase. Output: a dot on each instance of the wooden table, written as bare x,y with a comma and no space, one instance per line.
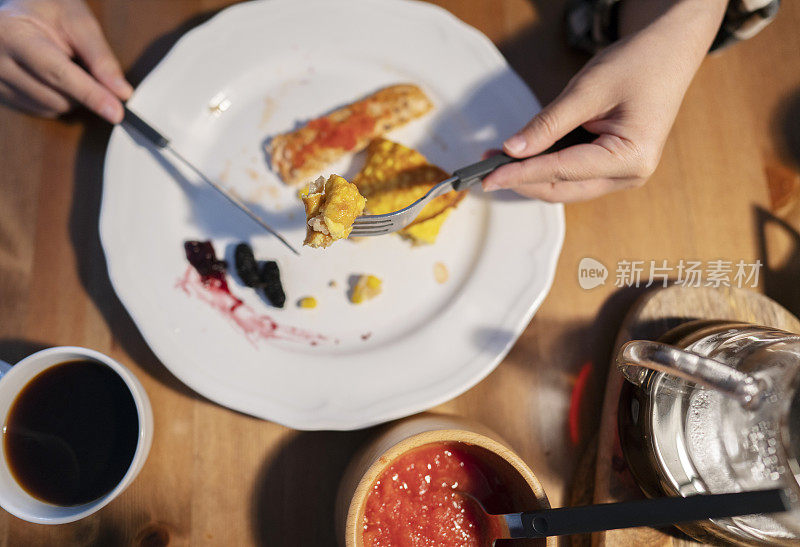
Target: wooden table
216,477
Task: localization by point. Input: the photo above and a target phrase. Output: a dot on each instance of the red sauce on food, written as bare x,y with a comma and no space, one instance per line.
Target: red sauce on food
330,134
417,500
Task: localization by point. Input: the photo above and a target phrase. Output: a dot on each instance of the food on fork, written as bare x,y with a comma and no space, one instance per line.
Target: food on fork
366,288
300,154
331,208
394,176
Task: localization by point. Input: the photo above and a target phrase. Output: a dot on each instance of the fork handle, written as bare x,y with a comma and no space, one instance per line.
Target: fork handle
469,175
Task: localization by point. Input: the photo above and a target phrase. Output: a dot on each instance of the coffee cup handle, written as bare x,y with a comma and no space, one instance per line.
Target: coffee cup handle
638,357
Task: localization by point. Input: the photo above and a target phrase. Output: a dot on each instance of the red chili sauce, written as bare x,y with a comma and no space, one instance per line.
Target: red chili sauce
418,500
342,134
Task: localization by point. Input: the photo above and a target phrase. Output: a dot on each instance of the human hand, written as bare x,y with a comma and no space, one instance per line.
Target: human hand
628,95
38,41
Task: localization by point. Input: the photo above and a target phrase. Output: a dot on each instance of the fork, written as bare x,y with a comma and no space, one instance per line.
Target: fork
462,179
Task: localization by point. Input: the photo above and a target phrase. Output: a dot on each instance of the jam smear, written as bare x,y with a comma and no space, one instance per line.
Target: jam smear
254,325
202,257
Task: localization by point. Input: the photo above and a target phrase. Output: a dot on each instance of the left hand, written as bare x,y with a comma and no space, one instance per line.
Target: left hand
39,40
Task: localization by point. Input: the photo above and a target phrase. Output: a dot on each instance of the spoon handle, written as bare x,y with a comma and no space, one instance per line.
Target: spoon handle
650,512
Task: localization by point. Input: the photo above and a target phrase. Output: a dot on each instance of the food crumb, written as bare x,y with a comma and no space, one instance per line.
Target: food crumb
267,112
333,284
226,172
366,336
366,288
307,302
440,272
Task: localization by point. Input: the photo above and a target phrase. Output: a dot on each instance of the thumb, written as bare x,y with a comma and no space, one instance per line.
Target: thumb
567,111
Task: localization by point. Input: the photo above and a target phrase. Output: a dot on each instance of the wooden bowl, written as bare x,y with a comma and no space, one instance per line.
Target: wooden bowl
524,488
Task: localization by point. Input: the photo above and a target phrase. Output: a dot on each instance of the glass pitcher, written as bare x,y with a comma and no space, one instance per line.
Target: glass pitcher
715,407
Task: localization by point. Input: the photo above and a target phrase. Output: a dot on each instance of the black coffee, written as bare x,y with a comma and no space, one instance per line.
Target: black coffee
71,433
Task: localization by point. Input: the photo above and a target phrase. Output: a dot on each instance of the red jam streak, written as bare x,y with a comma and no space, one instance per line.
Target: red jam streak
205,280
418,499
255,326
203,259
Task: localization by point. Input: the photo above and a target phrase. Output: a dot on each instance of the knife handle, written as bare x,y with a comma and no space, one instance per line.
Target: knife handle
145,129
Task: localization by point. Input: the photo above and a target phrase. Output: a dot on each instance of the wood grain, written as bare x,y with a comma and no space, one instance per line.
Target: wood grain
217,477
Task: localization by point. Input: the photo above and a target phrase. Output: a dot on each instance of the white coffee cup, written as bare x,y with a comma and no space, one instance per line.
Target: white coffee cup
13,498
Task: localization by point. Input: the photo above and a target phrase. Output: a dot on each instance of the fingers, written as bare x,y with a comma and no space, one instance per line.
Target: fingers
569,110
10,96
579,172
576,163
54,68
568,192
88,41
18,84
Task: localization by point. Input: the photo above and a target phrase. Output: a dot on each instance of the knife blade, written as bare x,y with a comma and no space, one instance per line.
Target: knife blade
158,140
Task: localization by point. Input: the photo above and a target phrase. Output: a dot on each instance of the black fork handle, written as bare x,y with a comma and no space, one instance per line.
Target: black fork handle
471,174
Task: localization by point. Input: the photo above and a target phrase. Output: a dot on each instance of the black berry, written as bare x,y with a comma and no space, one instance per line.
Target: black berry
246,265
200,254
271,282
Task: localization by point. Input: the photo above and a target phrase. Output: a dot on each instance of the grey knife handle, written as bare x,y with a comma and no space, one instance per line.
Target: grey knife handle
145,129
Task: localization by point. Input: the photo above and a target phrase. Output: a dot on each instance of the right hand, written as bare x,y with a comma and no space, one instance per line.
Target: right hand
628,95
38,41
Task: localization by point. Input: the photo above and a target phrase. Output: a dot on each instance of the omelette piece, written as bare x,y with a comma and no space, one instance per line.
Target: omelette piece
395,176
366,288
425,232
298,155
331,208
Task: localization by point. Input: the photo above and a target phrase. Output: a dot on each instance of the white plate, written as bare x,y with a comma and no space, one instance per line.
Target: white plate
276,64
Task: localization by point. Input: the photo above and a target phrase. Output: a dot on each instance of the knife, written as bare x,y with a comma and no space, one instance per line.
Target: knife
162,143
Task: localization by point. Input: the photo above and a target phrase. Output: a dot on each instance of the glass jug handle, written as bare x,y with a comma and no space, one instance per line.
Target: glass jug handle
636,356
